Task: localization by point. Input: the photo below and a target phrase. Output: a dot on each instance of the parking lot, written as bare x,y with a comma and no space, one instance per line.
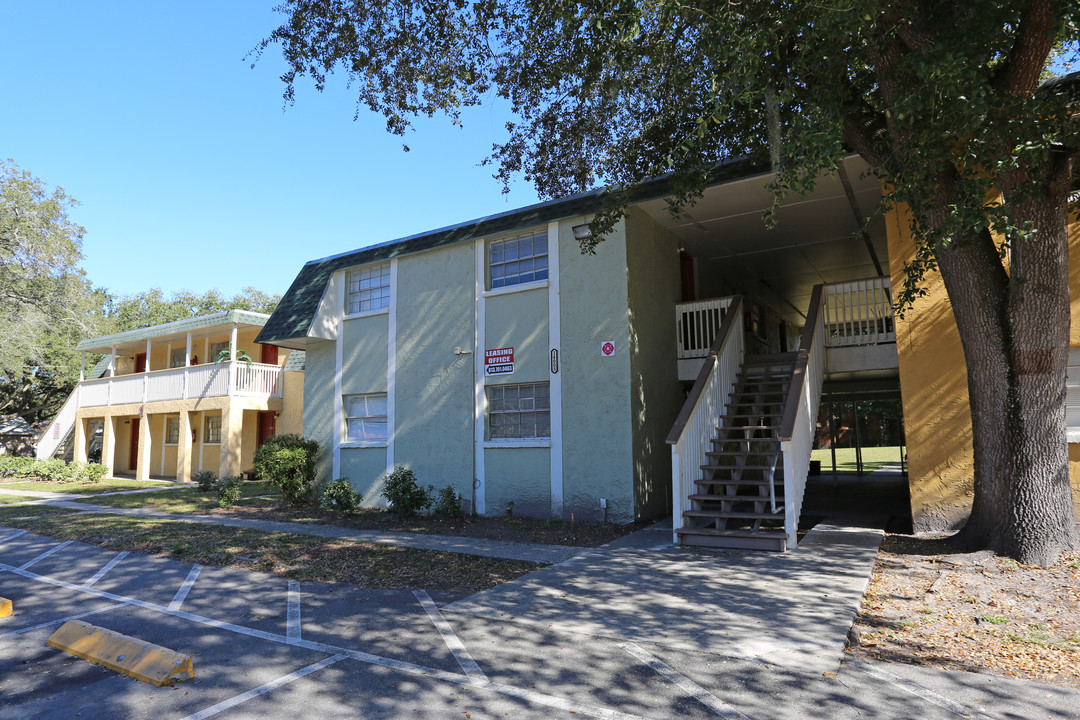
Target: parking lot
264,647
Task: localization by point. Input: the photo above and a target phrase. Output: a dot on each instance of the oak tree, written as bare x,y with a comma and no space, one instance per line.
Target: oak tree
945,101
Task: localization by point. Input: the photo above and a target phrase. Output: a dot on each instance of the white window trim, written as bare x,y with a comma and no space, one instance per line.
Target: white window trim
518,443
520,287
513,440
347,444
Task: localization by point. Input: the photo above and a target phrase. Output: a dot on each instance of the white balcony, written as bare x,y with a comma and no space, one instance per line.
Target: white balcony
199,381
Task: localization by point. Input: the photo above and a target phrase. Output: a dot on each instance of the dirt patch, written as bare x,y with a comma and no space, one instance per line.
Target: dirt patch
296,557
930,604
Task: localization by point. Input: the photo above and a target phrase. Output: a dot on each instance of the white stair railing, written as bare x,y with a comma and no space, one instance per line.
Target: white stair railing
798,422
697,324
695,427
59,427
859,312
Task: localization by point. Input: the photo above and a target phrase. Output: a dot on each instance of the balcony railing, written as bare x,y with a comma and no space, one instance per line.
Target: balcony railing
697,324
199,381
859,312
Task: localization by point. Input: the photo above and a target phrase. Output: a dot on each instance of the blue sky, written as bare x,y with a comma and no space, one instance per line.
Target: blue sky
190,170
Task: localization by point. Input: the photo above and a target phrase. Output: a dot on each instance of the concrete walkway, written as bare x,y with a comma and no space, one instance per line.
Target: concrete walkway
791,610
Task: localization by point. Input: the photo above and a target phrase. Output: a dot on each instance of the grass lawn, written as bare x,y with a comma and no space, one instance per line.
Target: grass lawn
874,458
81,488
294,556
190,499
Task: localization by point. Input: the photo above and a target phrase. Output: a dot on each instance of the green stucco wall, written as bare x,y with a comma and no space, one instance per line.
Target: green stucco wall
656,394
319,400
520,320
363,355
365,467
521,476
434,396
598,456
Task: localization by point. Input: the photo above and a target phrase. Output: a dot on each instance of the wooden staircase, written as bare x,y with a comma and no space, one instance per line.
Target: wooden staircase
732,506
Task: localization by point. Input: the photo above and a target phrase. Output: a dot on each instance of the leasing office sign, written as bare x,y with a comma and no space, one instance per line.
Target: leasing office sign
499,361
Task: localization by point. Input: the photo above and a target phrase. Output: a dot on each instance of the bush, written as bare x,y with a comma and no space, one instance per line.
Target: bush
228,490
205,479
405,495
448,504
15,466
94,473
288,463
339,495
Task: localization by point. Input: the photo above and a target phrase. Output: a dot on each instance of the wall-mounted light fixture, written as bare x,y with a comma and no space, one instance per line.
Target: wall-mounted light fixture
582,232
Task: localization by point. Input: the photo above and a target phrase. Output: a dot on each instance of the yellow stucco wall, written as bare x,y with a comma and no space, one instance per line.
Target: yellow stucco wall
291,419
933,384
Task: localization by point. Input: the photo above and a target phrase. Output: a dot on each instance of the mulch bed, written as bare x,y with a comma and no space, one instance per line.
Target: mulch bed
523,530
931,604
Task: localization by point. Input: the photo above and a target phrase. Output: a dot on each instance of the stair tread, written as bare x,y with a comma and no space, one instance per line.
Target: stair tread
721,514
705,497
741,481
733,533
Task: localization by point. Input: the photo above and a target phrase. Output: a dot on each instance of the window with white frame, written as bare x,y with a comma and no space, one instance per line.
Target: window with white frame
365,418
176,359
368,288
172,431
518,259
519,411
215,350
212,433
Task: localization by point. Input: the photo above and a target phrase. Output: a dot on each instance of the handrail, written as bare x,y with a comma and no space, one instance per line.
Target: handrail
734,312
798,376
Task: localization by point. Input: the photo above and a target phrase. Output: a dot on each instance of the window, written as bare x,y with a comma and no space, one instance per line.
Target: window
368,289
213,429
519,411
172,431
518,260
215,350
365,417
176,359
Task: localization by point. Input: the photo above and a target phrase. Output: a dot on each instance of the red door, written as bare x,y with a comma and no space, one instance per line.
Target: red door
140,362
267,425
133,460
686,276
269,354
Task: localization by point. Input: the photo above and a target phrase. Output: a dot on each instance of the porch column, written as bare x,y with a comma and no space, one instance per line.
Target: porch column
232,425
146,442
108,445
187,352
232,343
82,366
79,453
112,362
147,367
183,444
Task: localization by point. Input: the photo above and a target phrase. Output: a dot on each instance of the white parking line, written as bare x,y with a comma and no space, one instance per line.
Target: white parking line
46,554
107,567
457,648
12,536
531,695
292,612
697,692
263,689
915,689
185,587
63,620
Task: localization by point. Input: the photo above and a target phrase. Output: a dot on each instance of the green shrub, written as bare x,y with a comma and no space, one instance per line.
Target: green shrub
405,495
228,489
339,495
55,470
15,466
205,479
448,504
93,472
288,463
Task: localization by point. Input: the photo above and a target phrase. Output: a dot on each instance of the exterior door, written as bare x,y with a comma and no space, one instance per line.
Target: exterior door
133,459
267,426
140,363
269,355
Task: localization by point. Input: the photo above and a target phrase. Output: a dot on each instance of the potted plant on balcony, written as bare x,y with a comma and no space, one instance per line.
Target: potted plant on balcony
242,356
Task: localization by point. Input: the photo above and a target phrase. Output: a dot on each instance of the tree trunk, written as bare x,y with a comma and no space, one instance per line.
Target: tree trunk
1016,339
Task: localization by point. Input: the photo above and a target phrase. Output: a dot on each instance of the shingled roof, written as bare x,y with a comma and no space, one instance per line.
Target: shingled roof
289,324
